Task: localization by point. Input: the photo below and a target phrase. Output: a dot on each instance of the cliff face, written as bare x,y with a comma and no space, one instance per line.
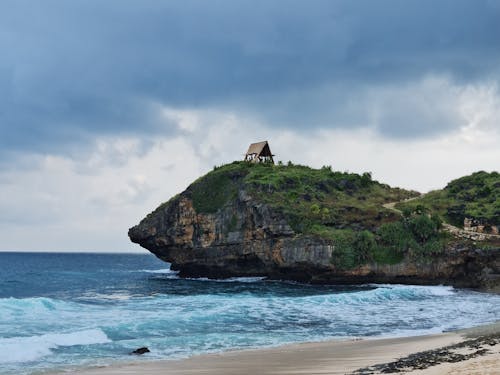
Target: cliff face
246,237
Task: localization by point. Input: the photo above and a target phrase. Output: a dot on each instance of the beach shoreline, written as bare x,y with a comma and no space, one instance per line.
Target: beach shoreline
331,357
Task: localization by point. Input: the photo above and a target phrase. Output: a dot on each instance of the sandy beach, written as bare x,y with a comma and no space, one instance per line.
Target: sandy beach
472,351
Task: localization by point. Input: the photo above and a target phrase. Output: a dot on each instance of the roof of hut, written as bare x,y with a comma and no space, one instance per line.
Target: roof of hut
259,148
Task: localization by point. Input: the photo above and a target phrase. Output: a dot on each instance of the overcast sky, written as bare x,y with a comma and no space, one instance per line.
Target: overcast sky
109,108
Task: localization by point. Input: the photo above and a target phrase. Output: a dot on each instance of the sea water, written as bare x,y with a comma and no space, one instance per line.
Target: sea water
61,311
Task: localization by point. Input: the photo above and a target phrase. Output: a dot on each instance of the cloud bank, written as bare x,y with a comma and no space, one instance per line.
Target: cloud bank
109,108
73,69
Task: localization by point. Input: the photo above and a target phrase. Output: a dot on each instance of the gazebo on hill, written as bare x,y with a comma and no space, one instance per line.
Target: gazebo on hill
259,152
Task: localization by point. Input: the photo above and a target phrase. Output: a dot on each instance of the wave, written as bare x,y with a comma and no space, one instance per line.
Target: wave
116,296
174,275
243,279
26,349
435,290
381,294
166,271
33,304
246,279
387,293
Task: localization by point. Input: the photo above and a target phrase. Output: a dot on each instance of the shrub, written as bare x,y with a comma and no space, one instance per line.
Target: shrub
352,249
386,255
407,211
422,227
438,222
325,214
364,243
366,179
344,256
395,236
315,209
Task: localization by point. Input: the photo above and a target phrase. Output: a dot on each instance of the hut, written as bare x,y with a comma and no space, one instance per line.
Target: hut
259,152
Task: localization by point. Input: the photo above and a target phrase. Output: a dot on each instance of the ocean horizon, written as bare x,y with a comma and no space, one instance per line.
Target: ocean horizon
61,311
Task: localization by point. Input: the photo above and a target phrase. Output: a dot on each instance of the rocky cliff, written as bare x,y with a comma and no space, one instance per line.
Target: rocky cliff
243,235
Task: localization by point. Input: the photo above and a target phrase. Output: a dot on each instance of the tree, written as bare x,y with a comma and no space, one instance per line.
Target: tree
422,227
364,243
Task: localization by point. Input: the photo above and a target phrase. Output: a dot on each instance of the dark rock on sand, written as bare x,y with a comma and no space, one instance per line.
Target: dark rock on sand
454,353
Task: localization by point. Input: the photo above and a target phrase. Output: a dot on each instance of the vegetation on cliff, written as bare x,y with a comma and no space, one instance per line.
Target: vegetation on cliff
476,196
345,208
312,200
417,236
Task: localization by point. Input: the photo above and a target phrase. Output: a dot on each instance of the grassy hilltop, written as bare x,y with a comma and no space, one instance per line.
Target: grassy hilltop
312,200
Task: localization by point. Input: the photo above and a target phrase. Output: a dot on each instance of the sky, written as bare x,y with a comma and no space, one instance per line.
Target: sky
109,108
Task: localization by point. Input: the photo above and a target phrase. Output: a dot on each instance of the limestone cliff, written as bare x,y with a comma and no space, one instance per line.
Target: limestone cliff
244,238
244,234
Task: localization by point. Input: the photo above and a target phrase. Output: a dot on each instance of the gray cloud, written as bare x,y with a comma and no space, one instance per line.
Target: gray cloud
73,69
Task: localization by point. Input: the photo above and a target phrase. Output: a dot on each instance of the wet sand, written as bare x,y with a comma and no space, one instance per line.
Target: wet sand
340,357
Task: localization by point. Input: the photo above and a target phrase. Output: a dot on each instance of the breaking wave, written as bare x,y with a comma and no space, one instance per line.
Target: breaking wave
26,349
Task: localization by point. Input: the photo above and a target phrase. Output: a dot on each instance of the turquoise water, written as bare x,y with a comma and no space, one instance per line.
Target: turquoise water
58,311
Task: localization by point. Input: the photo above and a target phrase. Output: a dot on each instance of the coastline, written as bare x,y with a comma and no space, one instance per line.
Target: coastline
333,357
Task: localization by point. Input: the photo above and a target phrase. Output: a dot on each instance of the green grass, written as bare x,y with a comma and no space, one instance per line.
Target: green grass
475,196
310,197
212,191
306,196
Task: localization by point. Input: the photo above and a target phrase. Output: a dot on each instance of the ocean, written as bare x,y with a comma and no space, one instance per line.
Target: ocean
63,311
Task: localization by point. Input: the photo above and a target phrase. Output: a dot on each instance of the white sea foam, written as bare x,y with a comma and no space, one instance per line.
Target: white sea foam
380,294
26,349
167,271
433,290
105,297
243,279
412,332
230,279
172,274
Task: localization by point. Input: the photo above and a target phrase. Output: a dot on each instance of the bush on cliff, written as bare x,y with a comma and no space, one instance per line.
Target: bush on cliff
416,236
351,248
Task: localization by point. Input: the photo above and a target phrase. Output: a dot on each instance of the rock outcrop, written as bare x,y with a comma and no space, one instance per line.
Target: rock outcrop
246,237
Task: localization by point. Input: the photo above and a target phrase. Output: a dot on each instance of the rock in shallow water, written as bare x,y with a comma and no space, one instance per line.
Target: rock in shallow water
140,351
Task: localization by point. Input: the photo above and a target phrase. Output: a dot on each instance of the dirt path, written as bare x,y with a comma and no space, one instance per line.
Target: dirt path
456,231
392,205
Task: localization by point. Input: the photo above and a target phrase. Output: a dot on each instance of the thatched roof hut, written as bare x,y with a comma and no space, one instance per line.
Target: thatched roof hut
259,152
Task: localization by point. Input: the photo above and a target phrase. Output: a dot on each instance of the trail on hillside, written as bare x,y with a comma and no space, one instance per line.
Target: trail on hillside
392,205
456,231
